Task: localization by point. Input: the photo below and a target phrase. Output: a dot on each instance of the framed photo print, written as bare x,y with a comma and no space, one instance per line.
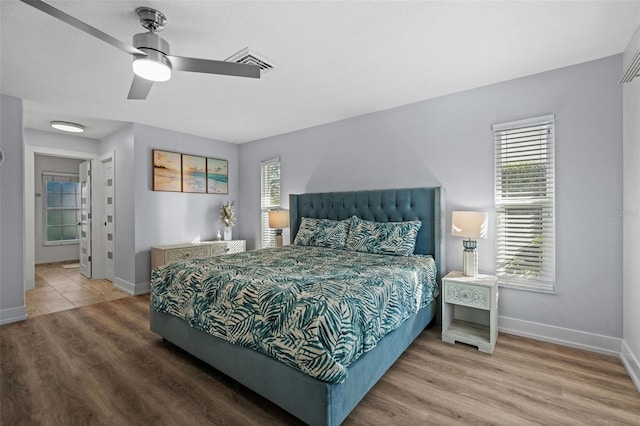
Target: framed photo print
194,178
167,171
217,176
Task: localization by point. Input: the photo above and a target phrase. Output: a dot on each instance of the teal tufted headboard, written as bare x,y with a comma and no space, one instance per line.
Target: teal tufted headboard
385,205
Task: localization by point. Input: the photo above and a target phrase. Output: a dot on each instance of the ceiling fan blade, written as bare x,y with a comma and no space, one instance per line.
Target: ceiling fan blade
211,66
139,88
57,13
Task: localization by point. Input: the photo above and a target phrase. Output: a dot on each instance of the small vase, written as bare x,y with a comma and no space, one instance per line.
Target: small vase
227,233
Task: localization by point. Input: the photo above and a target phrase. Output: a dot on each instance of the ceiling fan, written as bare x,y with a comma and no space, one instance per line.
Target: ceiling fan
151,58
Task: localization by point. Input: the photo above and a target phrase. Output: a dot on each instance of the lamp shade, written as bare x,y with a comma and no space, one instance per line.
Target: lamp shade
278,219
472,225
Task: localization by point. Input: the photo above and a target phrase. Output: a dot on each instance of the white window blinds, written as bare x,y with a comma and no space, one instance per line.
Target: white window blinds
269,199
524,202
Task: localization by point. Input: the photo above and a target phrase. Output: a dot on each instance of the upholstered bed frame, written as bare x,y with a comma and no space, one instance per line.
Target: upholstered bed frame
314,401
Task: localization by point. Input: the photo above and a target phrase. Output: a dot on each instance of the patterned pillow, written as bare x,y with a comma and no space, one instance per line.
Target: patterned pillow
322,233
395,238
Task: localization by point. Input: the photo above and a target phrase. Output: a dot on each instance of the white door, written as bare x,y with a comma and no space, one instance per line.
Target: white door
109,219
85,219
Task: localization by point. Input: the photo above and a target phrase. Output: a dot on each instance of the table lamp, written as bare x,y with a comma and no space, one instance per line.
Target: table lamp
470,225
278,219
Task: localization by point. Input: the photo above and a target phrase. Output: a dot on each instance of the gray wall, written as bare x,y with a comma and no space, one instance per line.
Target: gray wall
55,140
146,218
448,141
445,141
51,253
120,143
631,223
11,211
173,217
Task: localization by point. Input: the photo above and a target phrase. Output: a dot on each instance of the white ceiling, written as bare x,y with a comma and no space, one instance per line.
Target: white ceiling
335,59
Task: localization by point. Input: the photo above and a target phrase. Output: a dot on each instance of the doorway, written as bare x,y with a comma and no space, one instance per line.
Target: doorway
56,205
103,246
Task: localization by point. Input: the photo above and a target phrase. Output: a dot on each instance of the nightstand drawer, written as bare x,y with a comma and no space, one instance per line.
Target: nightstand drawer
467,295
180,254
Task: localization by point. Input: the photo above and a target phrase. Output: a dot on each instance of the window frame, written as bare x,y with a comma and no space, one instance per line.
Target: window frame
524,200
268,235
59,177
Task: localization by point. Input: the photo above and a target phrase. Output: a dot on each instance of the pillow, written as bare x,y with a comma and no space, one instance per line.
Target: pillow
394,238
322,233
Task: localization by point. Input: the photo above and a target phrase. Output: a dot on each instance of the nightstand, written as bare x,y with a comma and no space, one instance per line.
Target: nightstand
472,294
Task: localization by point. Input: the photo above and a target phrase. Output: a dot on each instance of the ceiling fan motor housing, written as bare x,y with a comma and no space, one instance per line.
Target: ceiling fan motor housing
150,41
154,46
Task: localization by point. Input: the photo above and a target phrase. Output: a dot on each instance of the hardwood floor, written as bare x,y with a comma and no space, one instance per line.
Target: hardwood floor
100,364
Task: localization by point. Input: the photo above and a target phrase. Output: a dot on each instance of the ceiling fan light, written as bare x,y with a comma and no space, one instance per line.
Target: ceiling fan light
151,69
66,126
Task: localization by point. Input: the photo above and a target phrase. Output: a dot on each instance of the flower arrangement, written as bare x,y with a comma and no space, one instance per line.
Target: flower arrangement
227,214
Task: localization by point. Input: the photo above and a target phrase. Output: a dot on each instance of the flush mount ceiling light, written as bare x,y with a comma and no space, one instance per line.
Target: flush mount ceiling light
66,126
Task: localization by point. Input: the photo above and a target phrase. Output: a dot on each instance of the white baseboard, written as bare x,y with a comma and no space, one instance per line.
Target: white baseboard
563,336
132,289
631,363
13,315
141,288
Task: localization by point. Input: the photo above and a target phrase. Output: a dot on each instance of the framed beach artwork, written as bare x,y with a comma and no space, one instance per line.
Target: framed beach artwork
194,178
167,171
217,176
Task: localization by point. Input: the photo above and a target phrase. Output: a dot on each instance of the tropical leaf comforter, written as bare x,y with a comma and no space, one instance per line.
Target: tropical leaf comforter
315,309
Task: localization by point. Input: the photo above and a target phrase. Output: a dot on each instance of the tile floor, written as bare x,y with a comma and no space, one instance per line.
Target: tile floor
58,289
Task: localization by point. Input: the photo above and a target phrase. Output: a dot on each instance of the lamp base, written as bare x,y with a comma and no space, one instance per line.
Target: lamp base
278,237
470,263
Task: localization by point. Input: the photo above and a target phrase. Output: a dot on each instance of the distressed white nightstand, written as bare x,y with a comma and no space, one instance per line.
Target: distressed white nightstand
478,293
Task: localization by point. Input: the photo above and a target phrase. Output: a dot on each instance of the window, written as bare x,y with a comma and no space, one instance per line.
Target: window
269,199
524,202
61,204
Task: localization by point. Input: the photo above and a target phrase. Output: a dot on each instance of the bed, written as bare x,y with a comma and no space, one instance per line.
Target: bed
320,400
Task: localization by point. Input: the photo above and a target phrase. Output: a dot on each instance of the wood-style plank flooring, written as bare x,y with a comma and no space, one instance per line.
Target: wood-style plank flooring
101,365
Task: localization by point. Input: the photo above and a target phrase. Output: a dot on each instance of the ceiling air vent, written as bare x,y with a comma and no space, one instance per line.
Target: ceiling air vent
247,57
631,58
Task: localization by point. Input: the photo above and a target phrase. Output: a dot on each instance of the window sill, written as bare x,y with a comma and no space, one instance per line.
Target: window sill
526,288
61,243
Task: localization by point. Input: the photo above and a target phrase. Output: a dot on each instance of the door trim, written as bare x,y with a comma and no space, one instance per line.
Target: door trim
109,274
98,211
86,218
29,253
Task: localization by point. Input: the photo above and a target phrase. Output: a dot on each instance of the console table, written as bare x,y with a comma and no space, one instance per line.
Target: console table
161,255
